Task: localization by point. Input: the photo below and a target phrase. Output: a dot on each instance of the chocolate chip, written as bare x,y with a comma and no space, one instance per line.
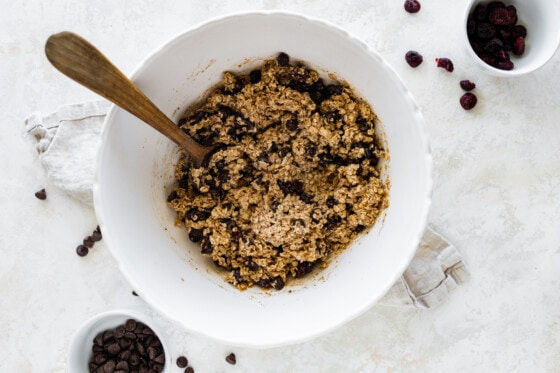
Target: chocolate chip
278,283
96,234
197,215
182,362
252,265
119,332
307,198
264,283
304,268
88,241
310,150
125,343
334,90
195,234
283,152
172,196
231,359
114,348
290,187
189,370
42,194
130,325
134,293
331,201
109,367
206,247
82,250
292,124
122,365
99,358
134,359
255,76
283,59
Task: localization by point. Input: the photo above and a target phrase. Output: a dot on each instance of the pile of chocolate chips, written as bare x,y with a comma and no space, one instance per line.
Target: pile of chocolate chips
494,34
89,241
131,347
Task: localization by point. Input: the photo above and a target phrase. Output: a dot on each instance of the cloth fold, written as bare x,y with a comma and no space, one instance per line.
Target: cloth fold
67,141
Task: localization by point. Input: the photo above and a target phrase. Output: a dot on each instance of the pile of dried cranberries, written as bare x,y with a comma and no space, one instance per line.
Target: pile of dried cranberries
494,33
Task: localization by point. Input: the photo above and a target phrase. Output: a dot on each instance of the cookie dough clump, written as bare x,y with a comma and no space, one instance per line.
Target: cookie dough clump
294,181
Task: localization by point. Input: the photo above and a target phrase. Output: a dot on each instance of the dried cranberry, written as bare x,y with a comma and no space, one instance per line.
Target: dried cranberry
413,58
479,13
468,101
504,65
485,30
488,58
502,55
504,33
495,5
500,17
412,6
496,33
445,63
467,85
518,46
512,14
493,45
519,30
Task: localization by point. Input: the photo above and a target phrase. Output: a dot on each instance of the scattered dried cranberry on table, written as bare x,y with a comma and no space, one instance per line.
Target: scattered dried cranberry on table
413,58
412,6
467,85
445,63
494,33
468,101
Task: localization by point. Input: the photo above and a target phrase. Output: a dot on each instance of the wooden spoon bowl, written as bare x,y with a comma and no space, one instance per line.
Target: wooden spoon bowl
76,58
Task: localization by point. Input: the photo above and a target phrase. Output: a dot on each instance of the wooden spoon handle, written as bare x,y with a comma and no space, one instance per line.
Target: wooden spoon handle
79,60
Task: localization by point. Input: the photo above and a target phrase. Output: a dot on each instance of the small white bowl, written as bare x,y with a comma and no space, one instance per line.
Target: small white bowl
80,350
540,17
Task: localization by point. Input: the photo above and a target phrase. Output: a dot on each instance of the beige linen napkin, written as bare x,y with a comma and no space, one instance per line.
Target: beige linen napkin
67,142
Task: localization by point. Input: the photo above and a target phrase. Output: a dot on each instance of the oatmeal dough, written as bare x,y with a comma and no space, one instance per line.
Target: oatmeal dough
294,181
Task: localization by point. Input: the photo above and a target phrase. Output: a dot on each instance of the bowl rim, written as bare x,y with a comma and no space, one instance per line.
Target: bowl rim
424,144
491,69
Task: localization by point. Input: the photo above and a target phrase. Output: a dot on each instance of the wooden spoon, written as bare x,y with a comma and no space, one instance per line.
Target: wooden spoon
76,58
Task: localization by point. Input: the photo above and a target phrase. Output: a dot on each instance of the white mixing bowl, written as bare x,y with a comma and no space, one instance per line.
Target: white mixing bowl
135,173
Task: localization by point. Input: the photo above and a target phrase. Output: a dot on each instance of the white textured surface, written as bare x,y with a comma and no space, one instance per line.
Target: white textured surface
496,197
